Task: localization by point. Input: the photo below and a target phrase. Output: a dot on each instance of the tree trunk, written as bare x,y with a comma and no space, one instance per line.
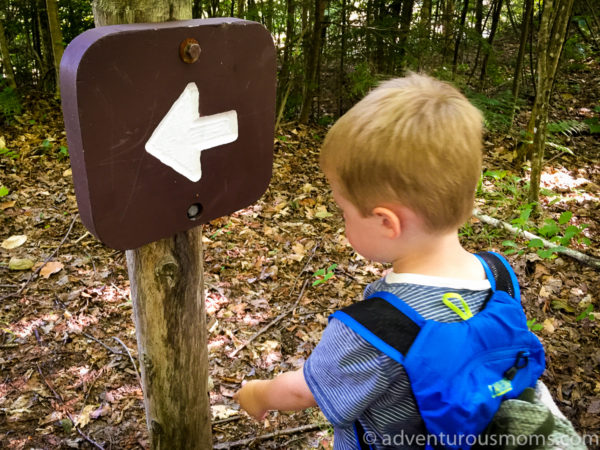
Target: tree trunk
310,83
341,77
168,297
405,20
488,50
111,12
269,15
6,62
479,18
448,22
522,46
284,73
56,37
461,30
197,10
48,79
551,36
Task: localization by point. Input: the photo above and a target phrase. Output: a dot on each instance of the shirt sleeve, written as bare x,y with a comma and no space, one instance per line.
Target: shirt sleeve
346,374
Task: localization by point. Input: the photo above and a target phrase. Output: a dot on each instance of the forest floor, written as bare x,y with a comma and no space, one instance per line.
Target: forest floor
67,380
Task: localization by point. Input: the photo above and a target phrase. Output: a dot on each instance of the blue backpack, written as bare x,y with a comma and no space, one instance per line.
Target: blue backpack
459,372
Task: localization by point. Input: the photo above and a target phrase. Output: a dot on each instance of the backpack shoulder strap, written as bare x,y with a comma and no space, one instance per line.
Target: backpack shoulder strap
384,321
500,274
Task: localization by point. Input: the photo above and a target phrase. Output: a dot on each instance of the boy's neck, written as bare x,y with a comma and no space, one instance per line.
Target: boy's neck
440,256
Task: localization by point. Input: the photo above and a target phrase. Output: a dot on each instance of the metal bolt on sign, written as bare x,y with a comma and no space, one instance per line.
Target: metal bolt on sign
189,50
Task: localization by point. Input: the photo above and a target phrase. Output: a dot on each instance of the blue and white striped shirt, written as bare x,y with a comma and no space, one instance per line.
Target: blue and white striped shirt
352,380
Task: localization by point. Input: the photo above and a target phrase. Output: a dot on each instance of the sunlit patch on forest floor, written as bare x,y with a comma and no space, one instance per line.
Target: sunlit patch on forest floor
67,379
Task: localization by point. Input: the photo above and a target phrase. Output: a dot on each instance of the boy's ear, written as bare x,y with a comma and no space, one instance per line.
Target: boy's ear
389,220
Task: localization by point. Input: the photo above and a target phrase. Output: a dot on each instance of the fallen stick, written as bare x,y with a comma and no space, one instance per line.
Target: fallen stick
244,442
581,257
270,324
137,374
61,400
285,313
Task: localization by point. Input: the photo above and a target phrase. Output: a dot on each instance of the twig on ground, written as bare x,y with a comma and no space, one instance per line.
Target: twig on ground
581,257
87,233
244,442
285,313
270,324
229,419
33,274
137,374
110,349
61,400
311,256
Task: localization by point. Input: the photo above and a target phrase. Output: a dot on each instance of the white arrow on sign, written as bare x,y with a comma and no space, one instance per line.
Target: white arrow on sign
182,134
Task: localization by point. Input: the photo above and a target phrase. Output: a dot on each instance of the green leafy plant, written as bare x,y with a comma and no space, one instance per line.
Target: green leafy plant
567,127
507,186
533,326
8,153
587,313
63,152
220,230
322,275
4,191
497,111
558,232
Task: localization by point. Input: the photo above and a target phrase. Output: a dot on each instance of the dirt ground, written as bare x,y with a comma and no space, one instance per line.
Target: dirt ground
68,349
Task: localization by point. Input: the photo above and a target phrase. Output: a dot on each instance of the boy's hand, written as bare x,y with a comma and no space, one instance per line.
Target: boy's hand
250,399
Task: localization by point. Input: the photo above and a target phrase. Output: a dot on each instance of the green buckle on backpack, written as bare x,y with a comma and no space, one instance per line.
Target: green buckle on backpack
465,314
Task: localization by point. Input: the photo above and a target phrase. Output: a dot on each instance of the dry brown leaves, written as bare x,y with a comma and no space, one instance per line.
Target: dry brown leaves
58,333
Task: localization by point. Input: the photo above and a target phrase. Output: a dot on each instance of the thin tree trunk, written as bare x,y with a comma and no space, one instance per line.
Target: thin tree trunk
448,28
284,73
56,37
313,61
551,36
168,298
424,31
522,46
197,9
488,50
461,30
342,55
269,16
6,61
405,20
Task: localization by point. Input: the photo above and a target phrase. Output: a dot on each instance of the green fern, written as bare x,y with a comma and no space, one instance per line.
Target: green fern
568,127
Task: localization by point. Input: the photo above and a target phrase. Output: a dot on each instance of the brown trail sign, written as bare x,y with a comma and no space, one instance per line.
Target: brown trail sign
169,125
159,144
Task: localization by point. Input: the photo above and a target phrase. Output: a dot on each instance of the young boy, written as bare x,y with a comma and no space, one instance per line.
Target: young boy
403,165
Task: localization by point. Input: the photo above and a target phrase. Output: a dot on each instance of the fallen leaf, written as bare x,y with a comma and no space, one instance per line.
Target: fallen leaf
50,268
14,241
322,213
84,418
20,264
549,326
220,412
6,205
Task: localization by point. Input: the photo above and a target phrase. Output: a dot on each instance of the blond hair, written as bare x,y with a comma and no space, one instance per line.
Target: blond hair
415,141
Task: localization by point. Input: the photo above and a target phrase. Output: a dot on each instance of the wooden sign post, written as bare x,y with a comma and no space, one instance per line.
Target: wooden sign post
169,125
